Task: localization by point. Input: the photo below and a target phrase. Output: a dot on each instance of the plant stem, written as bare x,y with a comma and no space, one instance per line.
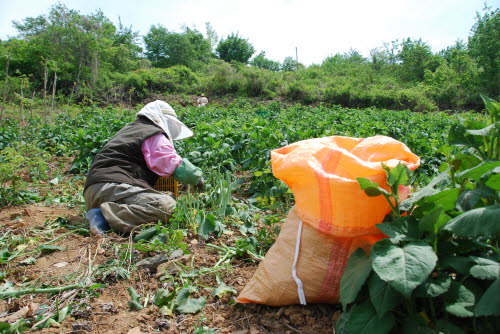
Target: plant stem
9,294
433,310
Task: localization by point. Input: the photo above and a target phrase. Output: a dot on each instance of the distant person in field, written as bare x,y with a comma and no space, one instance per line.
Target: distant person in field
202,101
119,190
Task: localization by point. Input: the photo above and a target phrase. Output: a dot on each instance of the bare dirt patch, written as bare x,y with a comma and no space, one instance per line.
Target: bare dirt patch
106,309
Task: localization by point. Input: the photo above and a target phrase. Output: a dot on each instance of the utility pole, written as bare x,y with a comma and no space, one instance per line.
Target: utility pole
296,59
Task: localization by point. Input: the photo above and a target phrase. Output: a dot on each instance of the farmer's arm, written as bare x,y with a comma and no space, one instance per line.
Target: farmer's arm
161,158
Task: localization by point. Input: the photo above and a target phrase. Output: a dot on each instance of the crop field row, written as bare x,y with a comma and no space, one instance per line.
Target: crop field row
56,277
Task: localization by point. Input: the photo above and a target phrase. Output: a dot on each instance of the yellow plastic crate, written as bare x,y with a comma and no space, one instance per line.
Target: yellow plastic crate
167,184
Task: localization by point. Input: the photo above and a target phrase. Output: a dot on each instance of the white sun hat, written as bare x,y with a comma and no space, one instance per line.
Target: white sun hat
163,115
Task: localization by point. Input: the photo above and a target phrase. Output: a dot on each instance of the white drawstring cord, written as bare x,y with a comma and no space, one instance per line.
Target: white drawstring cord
302,297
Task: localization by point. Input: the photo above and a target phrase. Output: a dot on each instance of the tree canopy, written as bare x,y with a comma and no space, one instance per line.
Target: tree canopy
86,58
235,48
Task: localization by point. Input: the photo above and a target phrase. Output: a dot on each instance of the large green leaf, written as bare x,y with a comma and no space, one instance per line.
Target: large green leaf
355,274
404,268
458,136
463,161
476,172
433,287
191,305
433,222
489,304
382,295
491,105
184,303
222,290
399,175
163,297
460,301
371,188
147,234
485,268
445,199
364,319
486,131
206,225
481,222
461,264
469,199
403,228
426,191
493,179
342,321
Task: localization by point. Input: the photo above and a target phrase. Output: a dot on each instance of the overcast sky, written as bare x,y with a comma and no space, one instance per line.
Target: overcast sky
318,28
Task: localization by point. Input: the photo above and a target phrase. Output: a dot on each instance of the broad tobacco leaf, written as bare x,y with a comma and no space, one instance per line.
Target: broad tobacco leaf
186,304
222,290
404,268
445,199
426,191
433,222
491,105
433,287
399,175
382,295
486,131
163,297
206,225
461,264
475,173
355,274
485,269
403,228
460,301
489,304
371,188
481,222
364,319
493,179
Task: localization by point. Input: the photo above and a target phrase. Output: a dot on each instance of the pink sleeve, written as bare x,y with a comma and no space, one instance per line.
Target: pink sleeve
160,155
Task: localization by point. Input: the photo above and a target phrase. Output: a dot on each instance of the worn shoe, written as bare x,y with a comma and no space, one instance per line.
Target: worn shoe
97,222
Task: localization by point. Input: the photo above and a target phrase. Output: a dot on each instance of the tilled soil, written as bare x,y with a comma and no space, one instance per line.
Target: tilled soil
106,310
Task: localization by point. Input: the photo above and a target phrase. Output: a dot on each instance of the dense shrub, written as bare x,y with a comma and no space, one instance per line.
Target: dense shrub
221,78
143,82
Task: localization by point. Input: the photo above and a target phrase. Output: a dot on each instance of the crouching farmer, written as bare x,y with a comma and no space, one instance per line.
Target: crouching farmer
119,190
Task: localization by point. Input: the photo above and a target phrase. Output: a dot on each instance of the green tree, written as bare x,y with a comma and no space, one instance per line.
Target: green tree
261,61
354,56
76,44
379,58
415,56
484,47
235,48
212,36
165,48
458,58
289,64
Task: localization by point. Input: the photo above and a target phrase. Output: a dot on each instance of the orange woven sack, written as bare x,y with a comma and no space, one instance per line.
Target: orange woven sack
332,217
320,266
322,174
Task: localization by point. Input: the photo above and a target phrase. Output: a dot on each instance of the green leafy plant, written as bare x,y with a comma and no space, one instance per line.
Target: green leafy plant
180,300
439,268
159,238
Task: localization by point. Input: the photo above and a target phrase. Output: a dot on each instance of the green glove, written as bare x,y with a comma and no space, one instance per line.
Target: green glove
188,173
